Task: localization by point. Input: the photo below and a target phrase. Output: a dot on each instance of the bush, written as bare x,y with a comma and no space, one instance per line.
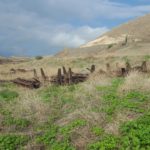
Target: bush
38,57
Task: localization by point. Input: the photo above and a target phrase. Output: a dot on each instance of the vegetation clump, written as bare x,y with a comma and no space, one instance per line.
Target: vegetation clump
38,57
8,95
19,123
12,142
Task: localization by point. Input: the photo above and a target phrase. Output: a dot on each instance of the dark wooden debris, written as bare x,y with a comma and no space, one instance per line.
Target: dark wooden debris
92,69
12,70
32,83
35,74
59,77
68,78
44,77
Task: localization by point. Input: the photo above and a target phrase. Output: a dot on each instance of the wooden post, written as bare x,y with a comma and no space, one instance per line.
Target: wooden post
64,70
65,76
144,66
43,74
92,68
35,74
70,76
108,68
128,67
59,77
123,72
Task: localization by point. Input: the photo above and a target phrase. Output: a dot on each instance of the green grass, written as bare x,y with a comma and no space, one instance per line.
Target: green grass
134,135
75,124
64,93
108,142
8,95
147,57
49,139
113,102
19,123
59,96
52,132
98,131
12,142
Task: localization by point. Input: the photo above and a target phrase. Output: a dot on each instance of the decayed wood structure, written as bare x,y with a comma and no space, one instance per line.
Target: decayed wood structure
92,69
32,83
66,78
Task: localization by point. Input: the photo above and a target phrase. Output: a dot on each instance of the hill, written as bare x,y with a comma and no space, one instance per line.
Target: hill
131,38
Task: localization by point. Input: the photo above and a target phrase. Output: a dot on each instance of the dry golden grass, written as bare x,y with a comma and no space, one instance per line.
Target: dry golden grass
136,81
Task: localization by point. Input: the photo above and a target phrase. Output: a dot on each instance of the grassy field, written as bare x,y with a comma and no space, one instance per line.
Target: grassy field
103,113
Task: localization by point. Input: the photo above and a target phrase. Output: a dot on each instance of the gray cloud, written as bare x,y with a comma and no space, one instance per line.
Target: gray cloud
45,26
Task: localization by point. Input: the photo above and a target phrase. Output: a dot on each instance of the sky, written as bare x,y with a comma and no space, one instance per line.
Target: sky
44,27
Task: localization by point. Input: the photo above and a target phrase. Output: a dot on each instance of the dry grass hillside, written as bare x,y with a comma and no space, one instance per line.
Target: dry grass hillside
131,38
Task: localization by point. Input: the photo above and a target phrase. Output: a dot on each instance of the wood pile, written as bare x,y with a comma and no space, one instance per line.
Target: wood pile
66,78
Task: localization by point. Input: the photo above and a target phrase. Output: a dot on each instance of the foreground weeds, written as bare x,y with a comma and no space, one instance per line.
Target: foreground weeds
100,114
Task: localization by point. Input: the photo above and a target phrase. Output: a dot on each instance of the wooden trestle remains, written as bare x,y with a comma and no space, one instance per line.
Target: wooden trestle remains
68,77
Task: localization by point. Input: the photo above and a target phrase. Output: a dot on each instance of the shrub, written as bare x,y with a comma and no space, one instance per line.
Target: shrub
110,46
38,57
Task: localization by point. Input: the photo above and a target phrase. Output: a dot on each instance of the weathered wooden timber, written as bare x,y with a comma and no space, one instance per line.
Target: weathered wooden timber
68,78
32,83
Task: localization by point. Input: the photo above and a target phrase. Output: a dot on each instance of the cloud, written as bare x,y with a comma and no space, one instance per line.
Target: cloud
76,37
46,26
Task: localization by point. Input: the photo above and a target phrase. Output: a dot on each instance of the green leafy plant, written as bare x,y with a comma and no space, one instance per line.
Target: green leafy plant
12,142
136,134
75,124
8,95
63,145
49,136
108,142
97,130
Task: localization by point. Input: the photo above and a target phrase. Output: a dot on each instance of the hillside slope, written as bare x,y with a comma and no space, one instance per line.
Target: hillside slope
119,41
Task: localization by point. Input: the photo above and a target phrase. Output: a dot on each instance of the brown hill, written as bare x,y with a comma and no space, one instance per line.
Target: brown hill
131,38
